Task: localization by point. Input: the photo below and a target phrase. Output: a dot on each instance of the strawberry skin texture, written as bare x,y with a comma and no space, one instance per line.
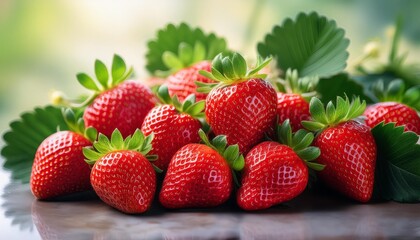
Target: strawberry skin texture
124,180
197,176
243,112
293,107
388,112
59,166
349,152
172,130
124,107
273,174
182,83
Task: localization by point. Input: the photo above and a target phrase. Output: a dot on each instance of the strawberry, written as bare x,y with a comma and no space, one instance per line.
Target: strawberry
199,175
179,60
115,103
182,83
292,104
173,125
242,106
59,168
121,175
275,172
347,147
393,106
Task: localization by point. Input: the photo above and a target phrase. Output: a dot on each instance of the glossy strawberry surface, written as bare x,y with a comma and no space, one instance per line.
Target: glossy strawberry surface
59,166
395,112
197,176
124,107
243,112
349,152
182,83
293,107
125,180
172,130
273,174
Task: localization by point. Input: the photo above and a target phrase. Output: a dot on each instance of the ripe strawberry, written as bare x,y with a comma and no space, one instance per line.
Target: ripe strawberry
182,83
347,147
114,103
59,168
199,175
243,106
394,106
121,175
173,125
275,172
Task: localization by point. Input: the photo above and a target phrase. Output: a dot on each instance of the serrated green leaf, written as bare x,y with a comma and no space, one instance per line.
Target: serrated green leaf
101,73
312,44
87,82
24,137
397,173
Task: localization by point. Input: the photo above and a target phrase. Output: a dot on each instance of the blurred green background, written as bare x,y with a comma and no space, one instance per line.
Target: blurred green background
44,43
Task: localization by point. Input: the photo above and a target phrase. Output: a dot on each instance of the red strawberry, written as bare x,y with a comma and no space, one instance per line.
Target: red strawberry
276,172
173,125
243,106
115,103
347,147
121,175
199,175
59,168
294,107
394,106
182,83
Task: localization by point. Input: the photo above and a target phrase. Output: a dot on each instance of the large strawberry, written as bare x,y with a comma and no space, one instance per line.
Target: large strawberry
173,125
121,175
347,147
199,175
115,103
243,105
59,168
275,172
393,106
188,51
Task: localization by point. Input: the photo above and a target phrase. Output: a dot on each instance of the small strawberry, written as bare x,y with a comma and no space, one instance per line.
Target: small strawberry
275,172
179,60
173,125
121,175
115,103
199,175
391,107
347,147
59,168
292,104
242,106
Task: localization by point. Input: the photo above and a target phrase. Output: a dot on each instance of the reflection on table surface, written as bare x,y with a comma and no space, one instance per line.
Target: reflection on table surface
314,216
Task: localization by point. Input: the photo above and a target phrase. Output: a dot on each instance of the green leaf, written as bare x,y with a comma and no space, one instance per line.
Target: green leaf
24,137
317,110
171,60
101,73
412,97
397,173
240,66
117,139
312,44
118,68
204,47
219,142
239,163
87,82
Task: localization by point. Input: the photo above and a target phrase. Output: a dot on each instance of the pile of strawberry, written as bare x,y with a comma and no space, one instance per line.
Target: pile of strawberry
214,129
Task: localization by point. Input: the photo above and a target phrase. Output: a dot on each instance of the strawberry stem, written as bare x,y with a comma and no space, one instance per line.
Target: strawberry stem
77,125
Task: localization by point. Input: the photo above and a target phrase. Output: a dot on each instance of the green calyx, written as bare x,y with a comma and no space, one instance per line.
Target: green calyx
292,83
136,142
300,142
343,111
230,153
77,125
189,106
232,68
396,92
178,47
